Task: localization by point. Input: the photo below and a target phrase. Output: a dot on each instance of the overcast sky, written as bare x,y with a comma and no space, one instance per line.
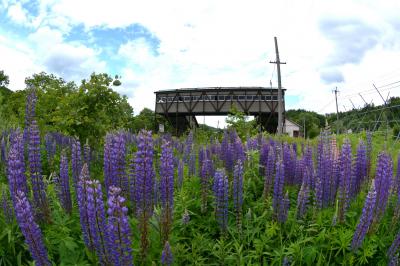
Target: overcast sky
170,44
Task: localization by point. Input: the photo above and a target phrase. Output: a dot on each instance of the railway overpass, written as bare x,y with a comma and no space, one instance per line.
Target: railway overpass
181,106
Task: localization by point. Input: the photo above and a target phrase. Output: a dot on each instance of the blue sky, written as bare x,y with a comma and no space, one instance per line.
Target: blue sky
157,45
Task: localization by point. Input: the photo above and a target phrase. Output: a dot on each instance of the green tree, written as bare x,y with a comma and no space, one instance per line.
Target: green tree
238,121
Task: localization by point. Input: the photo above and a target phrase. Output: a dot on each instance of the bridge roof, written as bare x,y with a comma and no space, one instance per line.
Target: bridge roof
217,89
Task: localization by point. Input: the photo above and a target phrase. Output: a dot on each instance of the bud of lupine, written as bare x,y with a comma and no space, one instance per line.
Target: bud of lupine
284,208
63,184
394,247
185,217
238,193
3,150
81,194
304,194
144,186
35,169
107,161
30,230
97,220
167,188
180,173
87,157
76,160
205,176
263,158
397,178
365,219
383,178
16,166
221,191
269,172
166,255
5,204
369,152
277,200
192,164
118,229
132,181
188,147
30,108
345,180
359,169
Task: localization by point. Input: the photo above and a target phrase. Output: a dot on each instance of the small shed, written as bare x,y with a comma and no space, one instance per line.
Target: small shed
292,129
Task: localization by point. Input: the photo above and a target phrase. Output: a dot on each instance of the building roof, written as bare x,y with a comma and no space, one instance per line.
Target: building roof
293,123
218,89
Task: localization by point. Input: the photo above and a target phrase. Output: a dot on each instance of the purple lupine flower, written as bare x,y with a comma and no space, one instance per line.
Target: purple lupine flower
394,247
118,229
5,205
185,217
35,170
238,193
359,170
239,153
16,166
167,188
144,186
63,184
345,180
51,147
118,162
383,178
269,172
221,191
166,255
289,164
205,177
76,160
394,261
81,194
180,173
97,221
365,219
30,230
277,201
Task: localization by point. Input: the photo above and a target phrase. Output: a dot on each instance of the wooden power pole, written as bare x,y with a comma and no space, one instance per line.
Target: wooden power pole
280,107
337,112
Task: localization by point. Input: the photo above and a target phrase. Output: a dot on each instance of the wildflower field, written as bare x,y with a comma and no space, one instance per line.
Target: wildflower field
218,199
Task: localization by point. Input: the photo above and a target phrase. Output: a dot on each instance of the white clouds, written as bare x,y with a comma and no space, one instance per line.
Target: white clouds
223,43
17,13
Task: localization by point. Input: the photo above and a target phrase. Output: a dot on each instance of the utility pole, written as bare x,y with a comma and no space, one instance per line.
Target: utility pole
337,112
278,68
